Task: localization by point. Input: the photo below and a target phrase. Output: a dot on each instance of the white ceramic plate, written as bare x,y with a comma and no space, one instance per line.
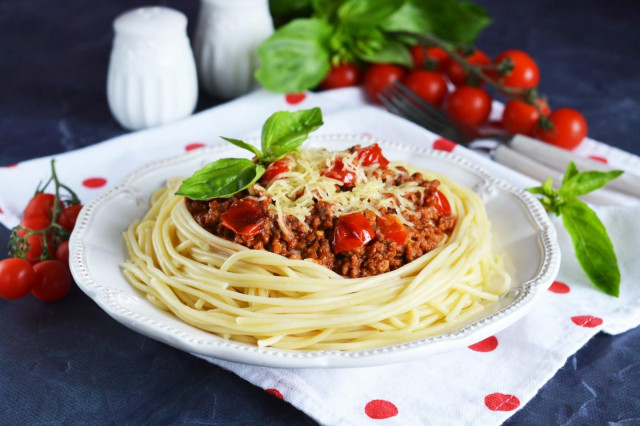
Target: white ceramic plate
520,225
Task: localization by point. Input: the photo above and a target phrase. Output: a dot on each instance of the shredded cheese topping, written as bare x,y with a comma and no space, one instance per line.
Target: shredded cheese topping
296,192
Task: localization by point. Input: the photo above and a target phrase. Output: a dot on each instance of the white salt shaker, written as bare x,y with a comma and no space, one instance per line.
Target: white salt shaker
228,33
152,76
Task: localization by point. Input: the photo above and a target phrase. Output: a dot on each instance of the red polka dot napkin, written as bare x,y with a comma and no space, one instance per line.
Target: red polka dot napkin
484,383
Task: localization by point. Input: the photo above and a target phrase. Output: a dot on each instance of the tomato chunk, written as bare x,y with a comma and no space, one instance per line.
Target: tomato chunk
274,170
372,155
441,205
351,231
244,217
337,171
392,228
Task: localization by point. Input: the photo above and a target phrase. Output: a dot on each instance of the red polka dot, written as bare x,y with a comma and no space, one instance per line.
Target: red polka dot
486,345
8,166
1,211
501,402
275,392
380,409
443,144
559,287
194,145
587,321
94,182
295,98
598,158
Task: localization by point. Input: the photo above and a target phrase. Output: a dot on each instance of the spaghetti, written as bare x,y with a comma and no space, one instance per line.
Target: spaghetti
265,299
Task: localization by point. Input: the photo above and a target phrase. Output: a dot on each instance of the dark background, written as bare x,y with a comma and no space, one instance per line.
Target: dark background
68,362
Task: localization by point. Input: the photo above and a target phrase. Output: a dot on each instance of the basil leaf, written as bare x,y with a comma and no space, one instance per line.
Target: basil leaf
326,9
571,171
454,21
367,13
296,57
285,131
409,18
244,145
583,183
385,50
592,245
221,178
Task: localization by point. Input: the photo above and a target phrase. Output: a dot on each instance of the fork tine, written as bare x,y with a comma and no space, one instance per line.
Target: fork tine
435,113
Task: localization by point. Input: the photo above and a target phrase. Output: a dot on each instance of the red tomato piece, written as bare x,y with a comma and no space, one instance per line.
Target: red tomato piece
520,117
244,217
17,278
372,154
525,73
343,75
53,280
379,76
569,128
392,228
352,231
337,171
420,54
274,170
469,105
456,73
429,85
441,204
40,204
67,217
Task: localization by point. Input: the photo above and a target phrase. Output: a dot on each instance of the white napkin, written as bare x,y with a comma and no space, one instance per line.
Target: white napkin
482,384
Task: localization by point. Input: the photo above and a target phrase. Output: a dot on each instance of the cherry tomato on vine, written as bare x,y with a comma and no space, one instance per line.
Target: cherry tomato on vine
244,217
525,73
17,278
40,204
343,75
456,73
379,76
53,280
67,217
62,252
520,117
569,129
469,105
419,55
429,85
352,230
391,227
36,241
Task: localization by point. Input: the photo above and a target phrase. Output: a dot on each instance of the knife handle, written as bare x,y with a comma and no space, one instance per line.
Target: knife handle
522,163
558,158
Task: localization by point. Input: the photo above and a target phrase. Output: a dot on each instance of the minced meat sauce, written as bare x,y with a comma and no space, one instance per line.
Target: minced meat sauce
314,239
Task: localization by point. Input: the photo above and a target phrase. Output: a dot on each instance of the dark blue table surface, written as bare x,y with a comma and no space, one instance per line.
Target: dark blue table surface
68,362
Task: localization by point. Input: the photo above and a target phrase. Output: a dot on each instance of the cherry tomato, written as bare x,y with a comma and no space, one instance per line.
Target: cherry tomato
372,154
53,280
36,241
429,85
17,278
62,252
379,76
392,228
275,169
469,105
441,204
244,217
520,117
40,204
343,75
419,54
569,129
338,171
352,230
525,73
456,73
67,217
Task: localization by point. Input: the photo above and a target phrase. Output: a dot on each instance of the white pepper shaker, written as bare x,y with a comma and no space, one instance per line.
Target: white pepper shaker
228,33
152,76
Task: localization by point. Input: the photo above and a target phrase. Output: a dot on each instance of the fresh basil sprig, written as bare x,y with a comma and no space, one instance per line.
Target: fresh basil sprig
282,133
592,245
299,54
